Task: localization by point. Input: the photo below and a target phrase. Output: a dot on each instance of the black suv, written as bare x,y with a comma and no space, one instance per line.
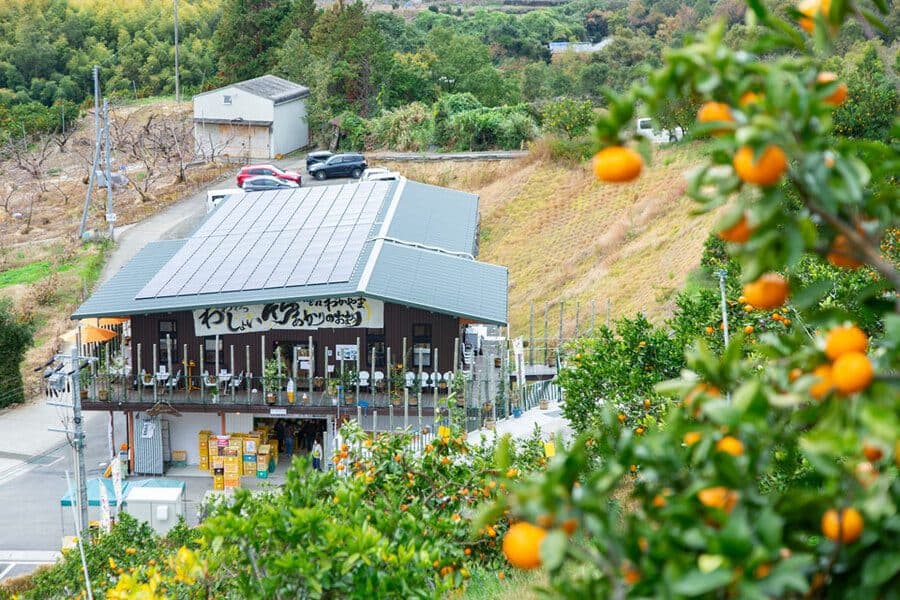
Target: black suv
316,157
340,165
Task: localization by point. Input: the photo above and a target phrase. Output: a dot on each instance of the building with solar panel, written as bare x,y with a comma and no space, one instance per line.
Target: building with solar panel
313,304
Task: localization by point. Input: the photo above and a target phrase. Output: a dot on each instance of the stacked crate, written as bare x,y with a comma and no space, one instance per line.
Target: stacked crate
203,448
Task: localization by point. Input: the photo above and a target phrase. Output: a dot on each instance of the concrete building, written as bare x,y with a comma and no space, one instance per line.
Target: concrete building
298,288
258,118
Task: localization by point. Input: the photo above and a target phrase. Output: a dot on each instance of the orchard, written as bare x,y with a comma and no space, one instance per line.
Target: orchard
773,469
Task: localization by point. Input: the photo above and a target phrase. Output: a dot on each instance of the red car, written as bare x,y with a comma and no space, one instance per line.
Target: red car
270,170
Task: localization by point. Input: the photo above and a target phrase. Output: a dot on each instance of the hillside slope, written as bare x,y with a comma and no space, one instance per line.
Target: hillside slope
566,237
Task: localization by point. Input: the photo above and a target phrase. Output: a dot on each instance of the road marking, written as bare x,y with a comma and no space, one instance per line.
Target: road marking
34,556
7,570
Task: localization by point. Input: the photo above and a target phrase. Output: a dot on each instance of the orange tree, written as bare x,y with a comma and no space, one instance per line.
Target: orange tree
702,507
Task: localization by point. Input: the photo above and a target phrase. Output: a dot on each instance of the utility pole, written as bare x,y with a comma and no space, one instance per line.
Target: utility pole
177,89
110,215
87,200
721,274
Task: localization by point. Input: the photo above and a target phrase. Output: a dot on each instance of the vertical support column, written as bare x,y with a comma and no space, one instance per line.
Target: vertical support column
405,388
357,371
262,365
155,362
201,375
546,332
531,334
372,376
387,384
278,364
249,383
233,370
187,373
139,374
312,366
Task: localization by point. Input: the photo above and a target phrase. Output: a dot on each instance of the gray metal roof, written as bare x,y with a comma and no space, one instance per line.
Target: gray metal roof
424,266
440,282
274,88
425,212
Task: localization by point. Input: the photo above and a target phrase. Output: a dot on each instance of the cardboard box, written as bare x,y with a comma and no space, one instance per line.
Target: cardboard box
233,465
217,462
179,455
251,443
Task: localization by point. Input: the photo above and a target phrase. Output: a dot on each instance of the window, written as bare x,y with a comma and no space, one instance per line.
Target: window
226,99
421,339
209,354
375,343
168,330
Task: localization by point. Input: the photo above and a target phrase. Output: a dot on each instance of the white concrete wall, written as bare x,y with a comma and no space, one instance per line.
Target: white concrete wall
244,105
290,130
183,432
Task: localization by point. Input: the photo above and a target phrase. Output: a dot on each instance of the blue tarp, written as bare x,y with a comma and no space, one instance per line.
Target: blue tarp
93,489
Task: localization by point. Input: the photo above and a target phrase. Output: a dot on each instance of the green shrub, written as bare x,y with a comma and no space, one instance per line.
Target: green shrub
410,128
566,116
570,150
447,106
507,127
16,336
353,132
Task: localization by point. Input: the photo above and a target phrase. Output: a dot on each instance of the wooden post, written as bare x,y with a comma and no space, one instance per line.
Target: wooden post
216,373
531,334
405,388
187,373
312,370
155,361
357,370
233,370
559,339
171,379
278,365
372,376
455,355
202,376
262,360
129,426
438,371
140,375
546,331
577,306
249,375
222,415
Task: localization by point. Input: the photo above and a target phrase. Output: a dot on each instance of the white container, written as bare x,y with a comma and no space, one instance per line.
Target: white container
158,506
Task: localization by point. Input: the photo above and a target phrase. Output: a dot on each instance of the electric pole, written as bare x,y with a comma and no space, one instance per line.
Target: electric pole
721,274
177,90
110,215
96,159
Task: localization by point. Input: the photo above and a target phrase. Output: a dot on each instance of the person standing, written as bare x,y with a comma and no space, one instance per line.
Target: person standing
317,455
289,440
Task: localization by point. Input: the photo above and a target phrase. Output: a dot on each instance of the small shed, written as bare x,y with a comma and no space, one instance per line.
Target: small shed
255,119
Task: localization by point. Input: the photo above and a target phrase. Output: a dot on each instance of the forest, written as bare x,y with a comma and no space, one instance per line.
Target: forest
455,77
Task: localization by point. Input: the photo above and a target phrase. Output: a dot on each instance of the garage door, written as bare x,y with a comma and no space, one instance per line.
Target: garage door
252,141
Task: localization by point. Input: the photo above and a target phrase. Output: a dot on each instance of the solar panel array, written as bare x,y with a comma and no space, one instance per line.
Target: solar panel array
292,237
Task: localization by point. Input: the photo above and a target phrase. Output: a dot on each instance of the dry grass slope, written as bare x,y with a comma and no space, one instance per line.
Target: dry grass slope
564,236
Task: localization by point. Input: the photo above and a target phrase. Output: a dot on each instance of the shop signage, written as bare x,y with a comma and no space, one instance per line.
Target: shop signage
278,412
328,313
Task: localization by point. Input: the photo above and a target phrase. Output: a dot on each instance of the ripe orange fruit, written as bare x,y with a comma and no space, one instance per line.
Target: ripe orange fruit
569,526
768,292
639,430
845,526
622,417
715,112
795,374
617,164
762,571
738,233
501,575
748,329
718,497
842,340
839,95
749,97
809,8
824,383
630,574
852,372
445,460
730,445
872,452
522,545
658,501
766,170
647,404
692,437
841,253
709,330
545,521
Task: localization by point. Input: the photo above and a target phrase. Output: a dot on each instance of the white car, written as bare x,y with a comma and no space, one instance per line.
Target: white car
379,174
215,197
644,127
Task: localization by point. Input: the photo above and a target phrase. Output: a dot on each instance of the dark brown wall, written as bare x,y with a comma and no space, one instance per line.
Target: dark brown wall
398,321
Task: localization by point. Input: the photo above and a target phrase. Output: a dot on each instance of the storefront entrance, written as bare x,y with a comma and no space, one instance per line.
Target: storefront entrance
296,435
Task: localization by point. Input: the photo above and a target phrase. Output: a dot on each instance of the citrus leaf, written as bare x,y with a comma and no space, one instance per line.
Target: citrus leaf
697,583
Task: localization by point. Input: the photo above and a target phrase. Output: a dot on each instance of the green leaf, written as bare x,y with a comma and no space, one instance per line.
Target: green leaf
553,549
503,453
880,567
769,525
697,583
811,294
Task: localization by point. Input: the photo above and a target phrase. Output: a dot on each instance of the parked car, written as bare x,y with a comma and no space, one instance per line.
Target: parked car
215,197
261,183
316,157
268,170
645,128
379,174
340,165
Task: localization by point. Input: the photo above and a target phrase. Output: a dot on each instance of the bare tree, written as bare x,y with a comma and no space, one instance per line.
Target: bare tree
30,156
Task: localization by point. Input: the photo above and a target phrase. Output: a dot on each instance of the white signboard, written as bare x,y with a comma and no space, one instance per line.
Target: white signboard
104,508
328,313
519,354
345,352
117,480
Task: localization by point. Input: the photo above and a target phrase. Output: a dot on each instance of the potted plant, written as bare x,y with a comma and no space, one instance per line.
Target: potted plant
490,423
103,388
414,390
349,377
319,384
398,381
271,381
458,388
